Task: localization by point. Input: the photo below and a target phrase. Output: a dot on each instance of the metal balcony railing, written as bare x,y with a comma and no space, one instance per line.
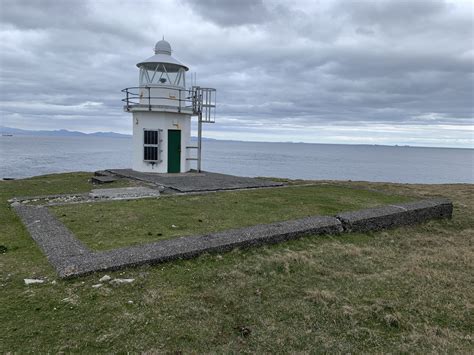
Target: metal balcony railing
151,97
200,101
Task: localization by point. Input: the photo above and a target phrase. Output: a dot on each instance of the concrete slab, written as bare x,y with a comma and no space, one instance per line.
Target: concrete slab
124,193
103,179
196,182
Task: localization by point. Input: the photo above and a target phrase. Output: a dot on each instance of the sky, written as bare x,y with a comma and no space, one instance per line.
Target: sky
340,71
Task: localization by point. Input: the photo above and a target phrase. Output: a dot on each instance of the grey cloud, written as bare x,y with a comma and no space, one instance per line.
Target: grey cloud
82,16
274,63
391,13
41,14
230,12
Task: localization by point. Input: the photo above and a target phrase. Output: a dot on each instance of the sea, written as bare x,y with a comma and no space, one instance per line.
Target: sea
26,156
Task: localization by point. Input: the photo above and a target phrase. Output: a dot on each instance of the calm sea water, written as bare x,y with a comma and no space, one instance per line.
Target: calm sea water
22,156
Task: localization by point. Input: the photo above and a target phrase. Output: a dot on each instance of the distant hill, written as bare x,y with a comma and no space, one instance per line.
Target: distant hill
59,133
66,133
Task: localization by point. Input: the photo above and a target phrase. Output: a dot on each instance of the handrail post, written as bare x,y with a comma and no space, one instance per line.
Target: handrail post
199,149
128,104
179,100
149,100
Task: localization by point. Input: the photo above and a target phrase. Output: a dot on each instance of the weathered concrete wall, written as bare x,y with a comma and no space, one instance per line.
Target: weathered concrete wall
192,246
54,238
395,215
71,258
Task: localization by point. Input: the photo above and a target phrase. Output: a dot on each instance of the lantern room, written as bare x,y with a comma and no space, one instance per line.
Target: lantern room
162,68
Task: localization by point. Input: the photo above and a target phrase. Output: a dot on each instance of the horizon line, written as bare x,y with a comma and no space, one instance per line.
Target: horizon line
126,135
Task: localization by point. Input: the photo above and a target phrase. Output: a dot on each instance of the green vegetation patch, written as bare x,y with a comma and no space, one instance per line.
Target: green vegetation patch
405,290
122,223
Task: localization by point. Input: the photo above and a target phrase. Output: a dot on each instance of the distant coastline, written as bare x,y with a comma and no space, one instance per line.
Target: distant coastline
10,131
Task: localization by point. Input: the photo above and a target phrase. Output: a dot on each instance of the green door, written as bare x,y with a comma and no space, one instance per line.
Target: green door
174,151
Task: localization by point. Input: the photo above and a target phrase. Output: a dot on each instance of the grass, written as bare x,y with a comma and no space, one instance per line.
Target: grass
116,224
404,290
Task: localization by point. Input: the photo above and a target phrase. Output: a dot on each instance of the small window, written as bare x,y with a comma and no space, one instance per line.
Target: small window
151,145
151,137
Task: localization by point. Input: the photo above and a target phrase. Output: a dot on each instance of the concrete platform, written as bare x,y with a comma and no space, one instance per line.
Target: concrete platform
196,182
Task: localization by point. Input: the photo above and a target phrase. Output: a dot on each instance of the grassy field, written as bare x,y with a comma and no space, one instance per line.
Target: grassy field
116,224
404,290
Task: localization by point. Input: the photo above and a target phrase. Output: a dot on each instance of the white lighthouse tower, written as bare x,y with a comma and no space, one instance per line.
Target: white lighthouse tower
162,108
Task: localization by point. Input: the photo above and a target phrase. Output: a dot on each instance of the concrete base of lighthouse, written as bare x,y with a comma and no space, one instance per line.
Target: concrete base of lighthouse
174,135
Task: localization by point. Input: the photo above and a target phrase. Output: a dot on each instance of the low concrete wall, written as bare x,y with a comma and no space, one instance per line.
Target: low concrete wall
55,240
192,246
395,215
71,258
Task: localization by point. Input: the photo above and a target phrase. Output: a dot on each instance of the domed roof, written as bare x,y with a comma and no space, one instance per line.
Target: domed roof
162,55
163,47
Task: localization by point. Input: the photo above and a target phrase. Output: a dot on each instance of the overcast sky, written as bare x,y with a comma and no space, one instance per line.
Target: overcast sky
375,72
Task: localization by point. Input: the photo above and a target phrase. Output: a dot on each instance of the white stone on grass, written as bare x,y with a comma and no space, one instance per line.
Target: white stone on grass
122,281
33,281
105,278
96,285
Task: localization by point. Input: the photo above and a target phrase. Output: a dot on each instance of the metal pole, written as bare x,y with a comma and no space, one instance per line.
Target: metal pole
199,142
179,101
128,105
149,101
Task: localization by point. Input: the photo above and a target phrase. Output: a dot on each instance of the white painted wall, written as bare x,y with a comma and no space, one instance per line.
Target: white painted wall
160,120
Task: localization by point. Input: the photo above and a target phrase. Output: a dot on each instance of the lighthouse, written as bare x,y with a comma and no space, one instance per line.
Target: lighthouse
162,108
